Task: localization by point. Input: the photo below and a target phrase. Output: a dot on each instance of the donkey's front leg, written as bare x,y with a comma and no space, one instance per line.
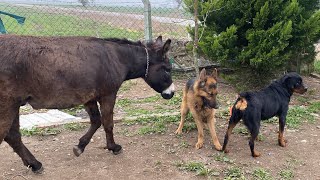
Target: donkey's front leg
106,108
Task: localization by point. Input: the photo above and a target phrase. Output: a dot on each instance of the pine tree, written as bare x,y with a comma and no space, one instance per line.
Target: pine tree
264,35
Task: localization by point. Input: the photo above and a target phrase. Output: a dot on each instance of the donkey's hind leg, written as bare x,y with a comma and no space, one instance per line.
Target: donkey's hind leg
95,119
107,105
13,138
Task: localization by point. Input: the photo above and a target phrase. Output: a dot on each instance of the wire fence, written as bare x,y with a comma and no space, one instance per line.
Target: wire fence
103,18
109,18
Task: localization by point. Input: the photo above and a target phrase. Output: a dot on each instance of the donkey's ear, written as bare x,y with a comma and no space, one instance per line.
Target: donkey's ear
202,75
166,46
215,73
159,40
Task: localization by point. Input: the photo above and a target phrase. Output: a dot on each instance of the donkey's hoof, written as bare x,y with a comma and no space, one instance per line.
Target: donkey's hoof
77,151
38,171
117,149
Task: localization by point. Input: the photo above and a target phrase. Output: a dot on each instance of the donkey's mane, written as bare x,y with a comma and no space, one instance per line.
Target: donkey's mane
124,41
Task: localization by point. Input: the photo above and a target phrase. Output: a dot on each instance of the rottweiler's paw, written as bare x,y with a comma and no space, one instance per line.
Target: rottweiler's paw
282,143
256,154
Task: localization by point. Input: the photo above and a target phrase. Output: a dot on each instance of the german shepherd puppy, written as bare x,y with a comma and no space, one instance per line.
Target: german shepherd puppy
200,97
272,101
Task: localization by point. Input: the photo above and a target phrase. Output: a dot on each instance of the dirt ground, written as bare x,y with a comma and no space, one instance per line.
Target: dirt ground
155,156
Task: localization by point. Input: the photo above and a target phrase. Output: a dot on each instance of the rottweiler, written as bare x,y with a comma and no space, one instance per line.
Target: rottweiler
200,98
271,101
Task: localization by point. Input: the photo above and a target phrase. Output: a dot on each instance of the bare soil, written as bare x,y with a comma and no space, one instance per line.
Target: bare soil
155,156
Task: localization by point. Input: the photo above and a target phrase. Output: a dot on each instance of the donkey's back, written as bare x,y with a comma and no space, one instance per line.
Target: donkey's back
55,72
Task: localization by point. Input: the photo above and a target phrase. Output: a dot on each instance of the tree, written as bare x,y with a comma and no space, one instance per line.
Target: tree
264,35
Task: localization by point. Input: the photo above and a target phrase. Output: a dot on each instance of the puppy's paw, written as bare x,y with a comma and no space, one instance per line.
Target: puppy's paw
178,131
218,147
199,145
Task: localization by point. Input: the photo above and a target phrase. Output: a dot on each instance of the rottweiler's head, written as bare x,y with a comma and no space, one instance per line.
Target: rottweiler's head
207,88
293,82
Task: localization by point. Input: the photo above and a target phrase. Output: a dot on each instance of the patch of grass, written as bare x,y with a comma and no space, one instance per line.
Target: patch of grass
241,130
74,110
302,99
175,100
286,174
261,174
297,115
197,167
317,66
273,120
75,126
234,173
314,107
157,127
184,144
124,102
126,86
40,131
221,157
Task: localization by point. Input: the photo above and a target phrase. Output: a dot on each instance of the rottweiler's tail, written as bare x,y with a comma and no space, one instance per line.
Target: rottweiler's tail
241,104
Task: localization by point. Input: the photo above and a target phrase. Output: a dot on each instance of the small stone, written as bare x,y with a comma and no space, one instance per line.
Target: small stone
55,139
12,169
91,140
304,141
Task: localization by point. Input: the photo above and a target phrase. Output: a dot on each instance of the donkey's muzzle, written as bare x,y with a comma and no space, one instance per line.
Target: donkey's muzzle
169,92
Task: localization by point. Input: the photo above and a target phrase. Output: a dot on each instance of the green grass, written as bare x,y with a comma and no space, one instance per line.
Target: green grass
234,173
297,114
286,174
73,111
261,174
75,126
197,167
48,131
221,157
40,131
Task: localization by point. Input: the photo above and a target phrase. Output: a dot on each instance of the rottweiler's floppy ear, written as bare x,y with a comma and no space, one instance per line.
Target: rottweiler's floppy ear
285,81
215,73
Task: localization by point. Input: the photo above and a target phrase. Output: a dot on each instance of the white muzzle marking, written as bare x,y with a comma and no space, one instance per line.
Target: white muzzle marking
169,90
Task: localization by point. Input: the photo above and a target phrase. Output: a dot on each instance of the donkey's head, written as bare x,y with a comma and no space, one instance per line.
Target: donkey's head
158,74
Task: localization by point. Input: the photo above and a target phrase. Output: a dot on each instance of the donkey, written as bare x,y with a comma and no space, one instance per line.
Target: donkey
62,72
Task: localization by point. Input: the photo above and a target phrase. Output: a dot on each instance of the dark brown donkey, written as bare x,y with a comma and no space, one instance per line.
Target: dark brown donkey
62,72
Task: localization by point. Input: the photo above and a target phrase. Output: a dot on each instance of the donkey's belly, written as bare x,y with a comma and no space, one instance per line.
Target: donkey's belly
60,101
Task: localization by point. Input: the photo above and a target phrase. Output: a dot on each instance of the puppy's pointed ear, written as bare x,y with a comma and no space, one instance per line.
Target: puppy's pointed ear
215,73
203,74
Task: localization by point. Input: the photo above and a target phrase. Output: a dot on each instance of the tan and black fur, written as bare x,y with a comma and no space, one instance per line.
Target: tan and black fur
199,97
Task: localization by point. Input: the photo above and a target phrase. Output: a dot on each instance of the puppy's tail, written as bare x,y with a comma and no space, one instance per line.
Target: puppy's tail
241,104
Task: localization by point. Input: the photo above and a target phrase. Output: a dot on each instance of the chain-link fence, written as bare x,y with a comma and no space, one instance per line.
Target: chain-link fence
104,18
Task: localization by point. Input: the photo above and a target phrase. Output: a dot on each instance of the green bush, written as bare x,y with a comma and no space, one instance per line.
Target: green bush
262,35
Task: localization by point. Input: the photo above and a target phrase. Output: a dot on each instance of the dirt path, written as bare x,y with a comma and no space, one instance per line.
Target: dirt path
159,155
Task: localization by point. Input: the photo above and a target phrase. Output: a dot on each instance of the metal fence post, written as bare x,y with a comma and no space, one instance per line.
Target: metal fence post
147,20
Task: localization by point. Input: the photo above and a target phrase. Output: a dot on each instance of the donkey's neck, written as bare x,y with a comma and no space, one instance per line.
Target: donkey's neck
137,63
